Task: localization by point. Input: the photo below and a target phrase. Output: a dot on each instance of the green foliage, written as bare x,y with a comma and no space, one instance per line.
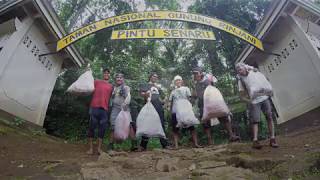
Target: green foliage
67,115
18,121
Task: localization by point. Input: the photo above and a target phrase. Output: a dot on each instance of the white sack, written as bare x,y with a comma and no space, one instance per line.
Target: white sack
257,85
214,105
84,84
122,125
184,114
148,122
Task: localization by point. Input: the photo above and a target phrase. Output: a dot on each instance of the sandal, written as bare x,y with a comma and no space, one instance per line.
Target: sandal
273,143
197,146
234,138
256,145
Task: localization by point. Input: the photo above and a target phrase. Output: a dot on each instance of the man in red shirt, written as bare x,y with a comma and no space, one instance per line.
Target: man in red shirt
99,109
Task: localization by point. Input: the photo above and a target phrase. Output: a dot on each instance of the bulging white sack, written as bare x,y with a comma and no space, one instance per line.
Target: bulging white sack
184,114
84,84
122,125
257,85
148,122
214,105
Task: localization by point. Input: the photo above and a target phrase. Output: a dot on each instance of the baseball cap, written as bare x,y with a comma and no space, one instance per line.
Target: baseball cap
196,69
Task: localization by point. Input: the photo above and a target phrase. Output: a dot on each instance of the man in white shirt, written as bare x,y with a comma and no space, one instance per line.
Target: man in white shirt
255,104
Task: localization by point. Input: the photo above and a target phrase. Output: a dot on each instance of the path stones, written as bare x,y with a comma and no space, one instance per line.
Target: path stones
167,164
211,164
101,173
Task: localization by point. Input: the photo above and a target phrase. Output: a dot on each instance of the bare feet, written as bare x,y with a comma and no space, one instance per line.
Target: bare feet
197,146
256,145
273,143
90,152
234,138
134,149
100,151
176,146
140,149
169,147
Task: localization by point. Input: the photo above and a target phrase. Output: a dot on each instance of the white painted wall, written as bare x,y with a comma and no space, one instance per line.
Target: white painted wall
27,80
312,31
295,76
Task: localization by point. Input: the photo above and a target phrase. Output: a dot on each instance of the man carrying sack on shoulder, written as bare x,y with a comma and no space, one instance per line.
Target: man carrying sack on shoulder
255,89
201,83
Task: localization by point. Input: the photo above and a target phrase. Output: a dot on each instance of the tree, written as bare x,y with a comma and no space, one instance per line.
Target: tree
137,58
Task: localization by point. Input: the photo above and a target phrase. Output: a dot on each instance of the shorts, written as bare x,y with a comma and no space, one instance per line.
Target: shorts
174,123
98,119
200,106
255,110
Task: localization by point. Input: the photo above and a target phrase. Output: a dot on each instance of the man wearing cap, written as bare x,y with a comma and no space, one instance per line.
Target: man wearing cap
121,98
201,82
154,90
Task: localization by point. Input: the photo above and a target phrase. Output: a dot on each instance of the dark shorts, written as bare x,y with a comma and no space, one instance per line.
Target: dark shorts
200,106
98,119
255,110
174,123
133,125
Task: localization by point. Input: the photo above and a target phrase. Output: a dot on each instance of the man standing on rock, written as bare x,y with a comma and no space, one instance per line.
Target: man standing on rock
98,111
256,104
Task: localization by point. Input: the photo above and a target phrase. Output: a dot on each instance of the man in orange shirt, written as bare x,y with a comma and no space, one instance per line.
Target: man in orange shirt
99,107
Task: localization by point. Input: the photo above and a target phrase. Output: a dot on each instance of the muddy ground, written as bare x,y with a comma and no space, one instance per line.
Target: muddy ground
30,154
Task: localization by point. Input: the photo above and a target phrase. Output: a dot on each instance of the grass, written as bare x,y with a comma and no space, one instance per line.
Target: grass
238,107
4,130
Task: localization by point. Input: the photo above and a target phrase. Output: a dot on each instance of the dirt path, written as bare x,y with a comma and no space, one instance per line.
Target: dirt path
30,155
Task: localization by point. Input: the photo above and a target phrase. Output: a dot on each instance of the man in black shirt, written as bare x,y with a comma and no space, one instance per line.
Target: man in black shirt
154,90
